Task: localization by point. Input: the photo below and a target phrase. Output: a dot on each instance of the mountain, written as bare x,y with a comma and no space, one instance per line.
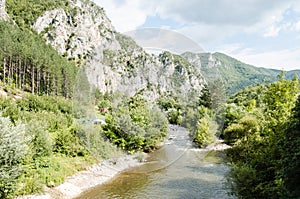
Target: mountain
80,31
112,61
235,74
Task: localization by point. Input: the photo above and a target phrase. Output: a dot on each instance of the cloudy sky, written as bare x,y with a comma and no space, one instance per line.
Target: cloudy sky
264,33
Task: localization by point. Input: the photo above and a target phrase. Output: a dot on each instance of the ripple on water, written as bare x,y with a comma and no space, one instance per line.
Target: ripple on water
174,171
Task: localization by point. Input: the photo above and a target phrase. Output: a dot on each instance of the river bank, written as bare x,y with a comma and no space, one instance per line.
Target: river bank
87,179
107,169
178,169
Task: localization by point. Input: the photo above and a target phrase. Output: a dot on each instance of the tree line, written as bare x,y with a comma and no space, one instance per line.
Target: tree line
29,64
262,126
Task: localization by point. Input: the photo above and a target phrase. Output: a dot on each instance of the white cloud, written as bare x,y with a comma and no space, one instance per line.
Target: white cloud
207,35
286,59
211,23
296,6
230,48
170,40
126,15
296,26
218,12
206,23
272,31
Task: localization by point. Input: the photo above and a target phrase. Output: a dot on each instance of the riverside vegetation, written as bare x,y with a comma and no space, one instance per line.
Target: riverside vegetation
42,143
43,140
262,125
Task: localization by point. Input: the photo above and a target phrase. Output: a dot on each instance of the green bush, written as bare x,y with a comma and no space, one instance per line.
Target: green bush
9,109
91,136
232,114
241,180
68,143
205,134
13,148
172,108
41,143
201,126
135,125
53,104
265,142
232,133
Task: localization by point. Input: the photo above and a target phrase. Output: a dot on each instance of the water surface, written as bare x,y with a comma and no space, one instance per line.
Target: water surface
177,170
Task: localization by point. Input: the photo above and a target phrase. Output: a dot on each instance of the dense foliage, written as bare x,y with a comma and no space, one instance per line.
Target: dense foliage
194,112
205,129
134,124
262,125
29,64
41,143
13,148
235,74
172,107
25,12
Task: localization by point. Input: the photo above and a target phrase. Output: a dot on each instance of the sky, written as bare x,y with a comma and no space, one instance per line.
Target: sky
264,33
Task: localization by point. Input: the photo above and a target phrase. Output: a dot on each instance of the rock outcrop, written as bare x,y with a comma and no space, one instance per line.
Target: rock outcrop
78,32
3,14
112,61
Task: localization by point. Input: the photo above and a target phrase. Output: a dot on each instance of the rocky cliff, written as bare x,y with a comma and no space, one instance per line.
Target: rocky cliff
112,61
3,14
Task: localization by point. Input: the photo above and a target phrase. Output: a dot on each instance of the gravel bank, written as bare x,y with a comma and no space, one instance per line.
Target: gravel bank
84,180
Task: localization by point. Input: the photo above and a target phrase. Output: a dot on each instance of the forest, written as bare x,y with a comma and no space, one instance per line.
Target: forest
262,126
42,139
45,137
29,64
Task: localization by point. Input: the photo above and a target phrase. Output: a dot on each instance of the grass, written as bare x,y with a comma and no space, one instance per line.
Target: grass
51,171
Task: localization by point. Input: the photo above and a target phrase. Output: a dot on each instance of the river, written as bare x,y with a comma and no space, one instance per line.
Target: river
176,170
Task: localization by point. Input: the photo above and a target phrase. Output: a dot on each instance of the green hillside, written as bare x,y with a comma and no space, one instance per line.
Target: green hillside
50,110
262,126
235,74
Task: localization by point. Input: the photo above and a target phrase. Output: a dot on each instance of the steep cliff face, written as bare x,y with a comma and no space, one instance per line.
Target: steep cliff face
79,32
3,14
114,62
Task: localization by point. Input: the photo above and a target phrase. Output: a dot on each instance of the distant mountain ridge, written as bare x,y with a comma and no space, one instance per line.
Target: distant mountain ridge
80,30
235,74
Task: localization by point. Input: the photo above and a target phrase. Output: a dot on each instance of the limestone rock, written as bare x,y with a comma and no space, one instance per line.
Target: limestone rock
79,32
3,14
114,62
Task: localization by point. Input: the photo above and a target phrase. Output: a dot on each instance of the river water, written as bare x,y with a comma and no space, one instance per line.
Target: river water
176,170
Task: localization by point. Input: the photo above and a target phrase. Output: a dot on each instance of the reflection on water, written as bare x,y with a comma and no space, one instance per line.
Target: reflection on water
174,171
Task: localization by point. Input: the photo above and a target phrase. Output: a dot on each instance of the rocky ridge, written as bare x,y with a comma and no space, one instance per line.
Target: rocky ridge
112,61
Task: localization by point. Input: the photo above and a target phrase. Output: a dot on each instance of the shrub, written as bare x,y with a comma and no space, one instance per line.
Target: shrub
244,129
13,148
205,133
41,143
91,136
68,143
135,125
